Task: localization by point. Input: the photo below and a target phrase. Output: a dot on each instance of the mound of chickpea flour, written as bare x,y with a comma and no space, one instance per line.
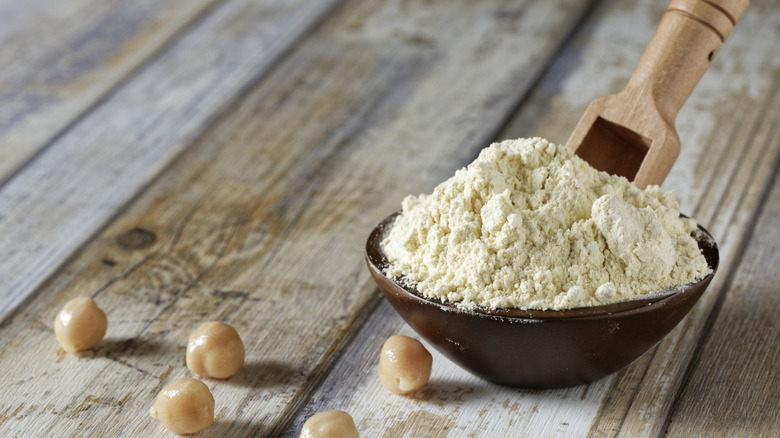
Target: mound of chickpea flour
530,225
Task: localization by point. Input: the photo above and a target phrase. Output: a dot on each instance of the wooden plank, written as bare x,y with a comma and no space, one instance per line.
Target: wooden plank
259,223
726,130
733,386
453,403
77,184
59,58
745,162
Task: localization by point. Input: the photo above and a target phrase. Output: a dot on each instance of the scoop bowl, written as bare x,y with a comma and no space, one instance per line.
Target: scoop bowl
540,348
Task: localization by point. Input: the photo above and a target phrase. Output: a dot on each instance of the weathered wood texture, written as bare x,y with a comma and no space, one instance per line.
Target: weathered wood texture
58,59
83,178
454,403
255,212
259,223
734,384
637,401
728,131
643,113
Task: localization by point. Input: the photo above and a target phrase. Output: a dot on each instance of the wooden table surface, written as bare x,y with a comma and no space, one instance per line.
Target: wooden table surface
190,160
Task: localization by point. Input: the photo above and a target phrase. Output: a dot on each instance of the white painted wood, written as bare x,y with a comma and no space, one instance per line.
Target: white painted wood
732,387
375,124
68,192
59,58
453,404
599,61
346,91
728,152
721,188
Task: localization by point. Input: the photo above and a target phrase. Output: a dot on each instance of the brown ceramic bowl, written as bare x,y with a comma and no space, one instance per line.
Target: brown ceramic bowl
540,348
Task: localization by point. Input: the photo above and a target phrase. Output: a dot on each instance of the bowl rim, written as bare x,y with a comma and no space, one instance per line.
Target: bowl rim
377,261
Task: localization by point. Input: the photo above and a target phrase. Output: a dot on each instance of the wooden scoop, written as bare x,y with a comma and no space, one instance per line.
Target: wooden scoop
632,133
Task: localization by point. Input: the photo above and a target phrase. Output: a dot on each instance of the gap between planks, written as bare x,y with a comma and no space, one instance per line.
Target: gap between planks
736,84
44,97
702,397
349,181
47,216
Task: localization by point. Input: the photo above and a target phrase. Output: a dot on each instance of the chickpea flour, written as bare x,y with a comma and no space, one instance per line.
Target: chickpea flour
530,225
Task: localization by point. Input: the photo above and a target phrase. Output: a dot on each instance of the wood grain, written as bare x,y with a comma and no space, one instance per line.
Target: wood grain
727,132
257,224
59,59
454,403
236,175
734,384
82,179
632,133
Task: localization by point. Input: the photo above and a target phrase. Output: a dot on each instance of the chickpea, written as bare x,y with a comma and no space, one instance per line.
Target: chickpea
80,325
184,406
329,424
215,350
404,364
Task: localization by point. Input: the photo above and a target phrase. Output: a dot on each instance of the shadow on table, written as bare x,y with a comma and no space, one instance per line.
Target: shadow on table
125,348
264,374
227,428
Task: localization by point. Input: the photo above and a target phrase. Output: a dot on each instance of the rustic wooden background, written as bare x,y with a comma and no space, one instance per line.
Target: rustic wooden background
183,161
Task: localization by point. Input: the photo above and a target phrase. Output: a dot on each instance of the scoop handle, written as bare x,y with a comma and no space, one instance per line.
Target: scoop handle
687,39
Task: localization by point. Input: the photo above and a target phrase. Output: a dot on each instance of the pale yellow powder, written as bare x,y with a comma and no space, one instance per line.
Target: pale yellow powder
530,225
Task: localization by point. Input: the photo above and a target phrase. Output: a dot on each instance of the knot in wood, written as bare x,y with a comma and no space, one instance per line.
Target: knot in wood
137,238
